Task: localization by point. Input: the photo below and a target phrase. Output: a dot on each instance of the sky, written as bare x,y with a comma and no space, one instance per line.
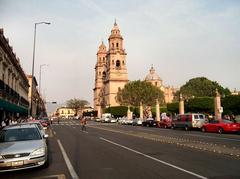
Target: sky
181,39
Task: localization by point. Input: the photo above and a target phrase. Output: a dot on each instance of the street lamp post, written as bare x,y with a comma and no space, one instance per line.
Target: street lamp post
34,44
40,76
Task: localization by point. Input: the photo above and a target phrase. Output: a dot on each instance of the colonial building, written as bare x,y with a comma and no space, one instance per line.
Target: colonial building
38,104
155,79
13,83
65,112
110,71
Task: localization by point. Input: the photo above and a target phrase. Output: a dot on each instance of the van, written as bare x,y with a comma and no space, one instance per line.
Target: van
106,117
189,121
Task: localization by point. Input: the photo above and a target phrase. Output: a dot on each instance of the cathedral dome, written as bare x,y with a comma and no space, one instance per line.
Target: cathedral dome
152,76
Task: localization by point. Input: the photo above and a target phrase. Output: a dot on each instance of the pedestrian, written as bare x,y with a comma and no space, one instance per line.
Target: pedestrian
3,124
83,123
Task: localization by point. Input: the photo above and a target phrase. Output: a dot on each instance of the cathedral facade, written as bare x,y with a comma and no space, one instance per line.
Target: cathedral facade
110,71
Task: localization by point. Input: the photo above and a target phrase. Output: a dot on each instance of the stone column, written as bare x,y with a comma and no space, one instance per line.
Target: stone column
99,111
141,110
181,105
157,111
129,113
217,106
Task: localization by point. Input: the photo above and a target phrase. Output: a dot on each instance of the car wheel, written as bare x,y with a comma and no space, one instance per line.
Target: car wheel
186,128
220,130
204,129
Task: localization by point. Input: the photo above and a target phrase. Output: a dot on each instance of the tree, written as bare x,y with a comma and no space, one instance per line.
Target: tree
200,105
202,87
76,104
231,105
138,91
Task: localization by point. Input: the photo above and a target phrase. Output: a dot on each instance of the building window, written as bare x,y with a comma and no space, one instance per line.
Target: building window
123,62
155,83
99,59
118,64
104,74
112,45
68,111
117,45
113,62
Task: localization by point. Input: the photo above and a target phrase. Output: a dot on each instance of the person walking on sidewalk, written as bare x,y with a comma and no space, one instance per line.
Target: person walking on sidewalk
83,123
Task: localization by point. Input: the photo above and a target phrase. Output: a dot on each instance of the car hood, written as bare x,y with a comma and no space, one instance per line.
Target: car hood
20,146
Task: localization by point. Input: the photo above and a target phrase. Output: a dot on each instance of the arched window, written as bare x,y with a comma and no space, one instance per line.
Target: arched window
99,73
118,64
104,74
123,62
156,83
113,62
112,45
117,45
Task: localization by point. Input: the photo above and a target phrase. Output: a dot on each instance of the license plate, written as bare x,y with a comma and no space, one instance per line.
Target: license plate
17,163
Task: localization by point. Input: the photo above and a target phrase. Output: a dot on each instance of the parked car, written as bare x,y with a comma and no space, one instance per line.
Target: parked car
38,124
128,121
136,122
113,120
22,146
166,123
221,126
97,119
149,122
189,121
45,122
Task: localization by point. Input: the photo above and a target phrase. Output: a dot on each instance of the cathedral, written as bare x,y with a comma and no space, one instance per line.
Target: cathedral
110,71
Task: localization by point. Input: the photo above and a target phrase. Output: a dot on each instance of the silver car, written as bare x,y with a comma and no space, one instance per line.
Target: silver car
22,146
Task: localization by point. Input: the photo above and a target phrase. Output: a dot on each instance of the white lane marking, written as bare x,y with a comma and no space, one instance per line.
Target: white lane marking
54,133
155,159
67,161
222,138
73,127
85,132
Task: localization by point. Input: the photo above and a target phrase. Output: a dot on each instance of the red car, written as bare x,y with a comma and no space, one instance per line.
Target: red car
221,126
166,123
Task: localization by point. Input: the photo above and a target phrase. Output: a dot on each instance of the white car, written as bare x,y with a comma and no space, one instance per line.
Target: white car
113,120
97,119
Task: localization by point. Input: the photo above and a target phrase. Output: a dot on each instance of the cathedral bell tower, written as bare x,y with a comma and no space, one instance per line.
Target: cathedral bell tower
100,75
116,75
110,71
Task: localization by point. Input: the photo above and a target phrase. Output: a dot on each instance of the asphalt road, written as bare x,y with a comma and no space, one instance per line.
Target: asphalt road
116,151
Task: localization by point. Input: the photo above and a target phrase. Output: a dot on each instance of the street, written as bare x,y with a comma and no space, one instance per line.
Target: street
120,151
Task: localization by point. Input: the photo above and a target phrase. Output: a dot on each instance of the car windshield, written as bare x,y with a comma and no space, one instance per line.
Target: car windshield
226,121
20,134
45,119
39,126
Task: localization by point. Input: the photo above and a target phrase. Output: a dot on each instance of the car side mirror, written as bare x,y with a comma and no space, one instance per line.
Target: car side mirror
45,136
